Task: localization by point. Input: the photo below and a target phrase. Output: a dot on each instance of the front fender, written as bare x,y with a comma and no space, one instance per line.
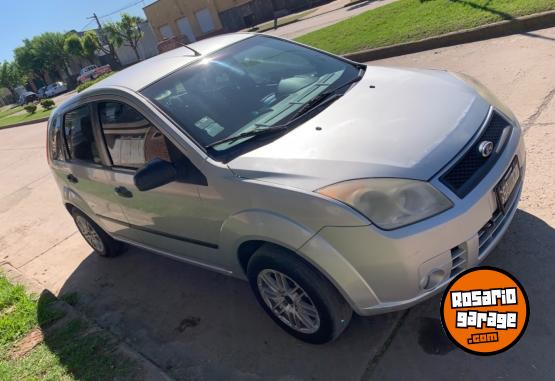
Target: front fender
260,225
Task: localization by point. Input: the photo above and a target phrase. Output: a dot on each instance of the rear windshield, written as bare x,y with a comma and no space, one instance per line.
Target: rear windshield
255,83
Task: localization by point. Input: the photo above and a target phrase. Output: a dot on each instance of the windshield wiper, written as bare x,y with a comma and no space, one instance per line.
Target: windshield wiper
256,132
320,99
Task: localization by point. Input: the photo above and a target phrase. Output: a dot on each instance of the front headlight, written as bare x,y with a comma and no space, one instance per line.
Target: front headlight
390,203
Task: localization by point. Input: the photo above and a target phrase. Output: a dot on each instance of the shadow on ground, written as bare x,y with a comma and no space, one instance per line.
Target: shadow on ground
196,324
526,251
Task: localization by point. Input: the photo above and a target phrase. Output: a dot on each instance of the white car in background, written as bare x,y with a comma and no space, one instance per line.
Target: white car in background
54,89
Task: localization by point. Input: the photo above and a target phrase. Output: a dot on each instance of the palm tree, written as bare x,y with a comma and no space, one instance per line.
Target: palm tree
125,32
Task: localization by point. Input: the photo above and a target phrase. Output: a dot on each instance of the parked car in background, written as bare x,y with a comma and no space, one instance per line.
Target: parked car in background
329,185
41,92
55,88
92,71
27,97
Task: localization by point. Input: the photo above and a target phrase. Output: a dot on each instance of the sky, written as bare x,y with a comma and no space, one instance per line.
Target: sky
24,19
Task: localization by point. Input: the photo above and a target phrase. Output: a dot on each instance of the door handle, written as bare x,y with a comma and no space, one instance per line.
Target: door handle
123,192
72,179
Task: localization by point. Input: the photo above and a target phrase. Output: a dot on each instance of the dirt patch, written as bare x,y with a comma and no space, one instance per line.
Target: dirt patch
26,344
7,310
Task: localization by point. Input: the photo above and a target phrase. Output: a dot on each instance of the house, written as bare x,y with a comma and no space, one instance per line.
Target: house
191,20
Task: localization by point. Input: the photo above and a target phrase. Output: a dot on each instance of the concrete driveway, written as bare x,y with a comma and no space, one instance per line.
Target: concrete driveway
199,325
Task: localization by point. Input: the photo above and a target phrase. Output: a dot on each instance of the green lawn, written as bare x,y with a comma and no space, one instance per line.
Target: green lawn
411,20
25,117
9,110
69,351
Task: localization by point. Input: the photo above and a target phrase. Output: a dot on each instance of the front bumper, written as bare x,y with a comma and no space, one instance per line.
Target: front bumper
380,271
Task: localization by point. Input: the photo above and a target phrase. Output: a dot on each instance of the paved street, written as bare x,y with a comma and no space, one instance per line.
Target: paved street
314,22
199,325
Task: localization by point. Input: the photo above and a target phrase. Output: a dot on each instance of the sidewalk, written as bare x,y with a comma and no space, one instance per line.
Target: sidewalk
296,24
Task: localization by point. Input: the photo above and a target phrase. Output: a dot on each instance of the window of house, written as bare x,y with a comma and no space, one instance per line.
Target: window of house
166,31
132,141
204,19
78,131
185,28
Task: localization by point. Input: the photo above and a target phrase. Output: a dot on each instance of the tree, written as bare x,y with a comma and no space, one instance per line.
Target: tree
29,61
11,77
43,54
50,48
125,32
92,44
74,46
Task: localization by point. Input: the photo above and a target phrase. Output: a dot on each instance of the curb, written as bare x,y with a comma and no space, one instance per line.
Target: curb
150,371
25,123
499,29
353,3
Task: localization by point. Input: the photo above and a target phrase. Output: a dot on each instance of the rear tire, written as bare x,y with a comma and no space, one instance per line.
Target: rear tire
98,239
296,296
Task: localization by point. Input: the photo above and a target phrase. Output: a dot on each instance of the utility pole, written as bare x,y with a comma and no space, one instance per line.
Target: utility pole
94,16
104,39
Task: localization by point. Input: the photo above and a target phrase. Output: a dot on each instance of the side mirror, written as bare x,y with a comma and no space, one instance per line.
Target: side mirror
154,174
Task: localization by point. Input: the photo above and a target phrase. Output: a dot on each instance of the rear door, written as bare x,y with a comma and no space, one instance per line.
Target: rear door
165,218
84,174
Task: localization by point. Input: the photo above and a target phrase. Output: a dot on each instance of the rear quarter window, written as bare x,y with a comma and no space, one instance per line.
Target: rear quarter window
78,132
55,142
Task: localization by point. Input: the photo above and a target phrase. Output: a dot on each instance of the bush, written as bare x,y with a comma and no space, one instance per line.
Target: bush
87,84
30,108
47,104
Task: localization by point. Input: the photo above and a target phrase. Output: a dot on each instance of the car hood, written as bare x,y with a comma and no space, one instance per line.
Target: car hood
394,122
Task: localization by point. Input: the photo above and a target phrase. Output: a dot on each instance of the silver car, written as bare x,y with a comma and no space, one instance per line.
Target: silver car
55,88
329,185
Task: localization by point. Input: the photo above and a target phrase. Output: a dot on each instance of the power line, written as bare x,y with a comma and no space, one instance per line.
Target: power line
86,25
122,9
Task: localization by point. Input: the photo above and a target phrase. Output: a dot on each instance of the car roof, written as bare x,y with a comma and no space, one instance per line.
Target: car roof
148,71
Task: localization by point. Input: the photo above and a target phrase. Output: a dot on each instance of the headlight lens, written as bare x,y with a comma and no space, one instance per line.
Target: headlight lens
390,203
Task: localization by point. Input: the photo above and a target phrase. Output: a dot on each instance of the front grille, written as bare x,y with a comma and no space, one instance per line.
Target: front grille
471,168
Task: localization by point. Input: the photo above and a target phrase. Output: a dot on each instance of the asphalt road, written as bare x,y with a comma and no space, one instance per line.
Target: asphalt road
199,325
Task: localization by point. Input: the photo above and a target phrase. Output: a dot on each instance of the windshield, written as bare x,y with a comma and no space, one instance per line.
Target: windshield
257,83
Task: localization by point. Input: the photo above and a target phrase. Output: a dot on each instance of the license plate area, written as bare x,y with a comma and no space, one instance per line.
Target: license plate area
505,188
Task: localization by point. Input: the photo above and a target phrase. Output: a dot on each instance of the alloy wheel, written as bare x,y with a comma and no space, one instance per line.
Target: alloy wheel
288,301
89,233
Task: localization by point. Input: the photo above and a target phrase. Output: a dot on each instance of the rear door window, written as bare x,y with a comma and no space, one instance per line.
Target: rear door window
132,141
79,136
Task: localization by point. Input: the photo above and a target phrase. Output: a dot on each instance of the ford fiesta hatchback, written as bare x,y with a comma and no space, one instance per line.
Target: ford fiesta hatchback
329,185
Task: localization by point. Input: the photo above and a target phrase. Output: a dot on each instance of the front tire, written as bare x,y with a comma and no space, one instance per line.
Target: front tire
98,239
296,296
